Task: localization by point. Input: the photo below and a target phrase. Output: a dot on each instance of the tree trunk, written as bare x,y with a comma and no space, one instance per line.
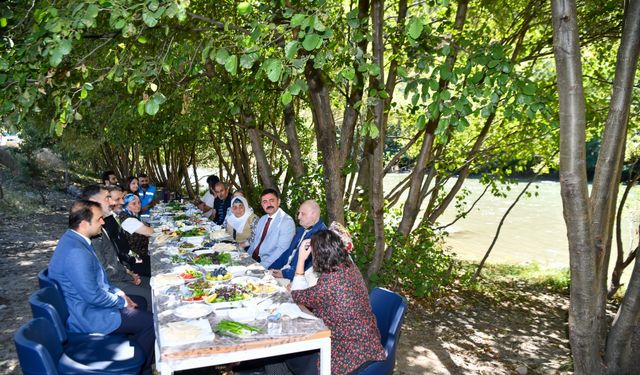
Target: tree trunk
584,327
292,141
324,124
377,160
605,185
264,168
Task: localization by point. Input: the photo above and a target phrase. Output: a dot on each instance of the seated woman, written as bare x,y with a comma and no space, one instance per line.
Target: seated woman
136,231
132,185
241,221
341,300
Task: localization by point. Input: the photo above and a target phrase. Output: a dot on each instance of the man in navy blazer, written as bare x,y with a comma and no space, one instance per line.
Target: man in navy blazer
274,230
310,223
94,304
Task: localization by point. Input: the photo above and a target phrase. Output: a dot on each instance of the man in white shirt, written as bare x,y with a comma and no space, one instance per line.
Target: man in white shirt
206,202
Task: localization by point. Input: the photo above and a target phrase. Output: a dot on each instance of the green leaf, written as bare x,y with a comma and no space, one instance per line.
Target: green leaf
83,94
149,19
273,68
158,98
64,47
349,73
119,24
445,72
244,8
141,105
247,60
318,25
291,49
296,87
529,89
58,128
311,42
286,97
151,107
55,58
153,5
297,19
232,65
142,40
402,72
421,122
373,131
415,27
222,56
92,11
3,22
374,69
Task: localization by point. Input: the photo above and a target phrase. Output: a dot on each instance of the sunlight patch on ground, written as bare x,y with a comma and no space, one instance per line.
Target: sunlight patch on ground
425,361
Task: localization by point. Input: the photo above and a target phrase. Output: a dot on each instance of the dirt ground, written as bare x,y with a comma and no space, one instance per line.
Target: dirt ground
516,331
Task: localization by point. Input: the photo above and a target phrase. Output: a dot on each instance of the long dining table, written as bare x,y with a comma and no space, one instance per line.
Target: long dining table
187,331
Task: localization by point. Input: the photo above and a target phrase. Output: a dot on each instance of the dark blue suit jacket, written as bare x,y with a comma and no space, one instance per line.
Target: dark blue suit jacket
293,249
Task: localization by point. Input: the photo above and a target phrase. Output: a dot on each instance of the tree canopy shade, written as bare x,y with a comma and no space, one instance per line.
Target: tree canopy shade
590,218
321,98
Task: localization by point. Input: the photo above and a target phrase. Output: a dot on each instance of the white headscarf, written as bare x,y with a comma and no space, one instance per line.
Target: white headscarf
238,222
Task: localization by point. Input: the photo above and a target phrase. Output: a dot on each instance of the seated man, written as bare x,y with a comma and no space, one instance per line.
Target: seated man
206,202
147,194
221,204
94,304
274,230
106,198
106,248
310,223
109,178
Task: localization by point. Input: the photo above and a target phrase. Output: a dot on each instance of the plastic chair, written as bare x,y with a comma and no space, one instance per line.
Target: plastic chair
41,353
98,354
389,309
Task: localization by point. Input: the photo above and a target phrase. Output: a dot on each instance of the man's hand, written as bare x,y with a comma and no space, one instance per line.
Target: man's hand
277,274
130,304
135,278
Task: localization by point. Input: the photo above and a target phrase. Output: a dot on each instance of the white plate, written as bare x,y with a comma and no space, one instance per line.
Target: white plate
237,270
192,311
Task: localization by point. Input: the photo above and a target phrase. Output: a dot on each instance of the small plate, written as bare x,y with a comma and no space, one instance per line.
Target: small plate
192,311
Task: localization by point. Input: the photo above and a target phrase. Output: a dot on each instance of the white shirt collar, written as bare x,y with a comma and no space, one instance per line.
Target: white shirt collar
276,214
87,240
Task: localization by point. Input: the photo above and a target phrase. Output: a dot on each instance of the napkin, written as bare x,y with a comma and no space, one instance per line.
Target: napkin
186,332
293,311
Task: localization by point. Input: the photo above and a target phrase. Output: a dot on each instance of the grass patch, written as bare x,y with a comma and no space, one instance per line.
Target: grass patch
533,275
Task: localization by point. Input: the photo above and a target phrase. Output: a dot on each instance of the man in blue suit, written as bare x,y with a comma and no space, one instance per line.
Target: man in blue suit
94,304
274,230
310,223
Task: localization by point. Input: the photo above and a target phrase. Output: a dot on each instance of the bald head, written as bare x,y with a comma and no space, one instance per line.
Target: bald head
308,214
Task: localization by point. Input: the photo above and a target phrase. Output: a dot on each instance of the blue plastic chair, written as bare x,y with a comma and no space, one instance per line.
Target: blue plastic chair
44,280
389,309
98,354
41,353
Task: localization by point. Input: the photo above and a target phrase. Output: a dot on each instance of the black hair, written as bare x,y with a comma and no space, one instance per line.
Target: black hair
142,175
270,191
329,252
113,188
213,179
81,210
92,190
106,174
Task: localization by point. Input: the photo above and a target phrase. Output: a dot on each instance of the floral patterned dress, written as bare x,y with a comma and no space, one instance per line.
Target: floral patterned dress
340,299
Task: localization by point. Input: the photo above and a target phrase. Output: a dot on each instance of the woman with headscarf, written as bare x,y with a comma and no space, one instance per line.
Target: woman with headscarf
136,231
241,222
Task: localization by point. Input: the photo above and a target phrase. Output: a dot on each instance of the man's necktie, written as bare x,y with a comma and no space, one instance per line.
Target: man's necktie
256,253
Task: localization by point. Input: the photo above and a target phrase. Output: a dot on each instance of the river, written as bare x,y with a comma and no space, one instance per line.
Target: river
534,230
